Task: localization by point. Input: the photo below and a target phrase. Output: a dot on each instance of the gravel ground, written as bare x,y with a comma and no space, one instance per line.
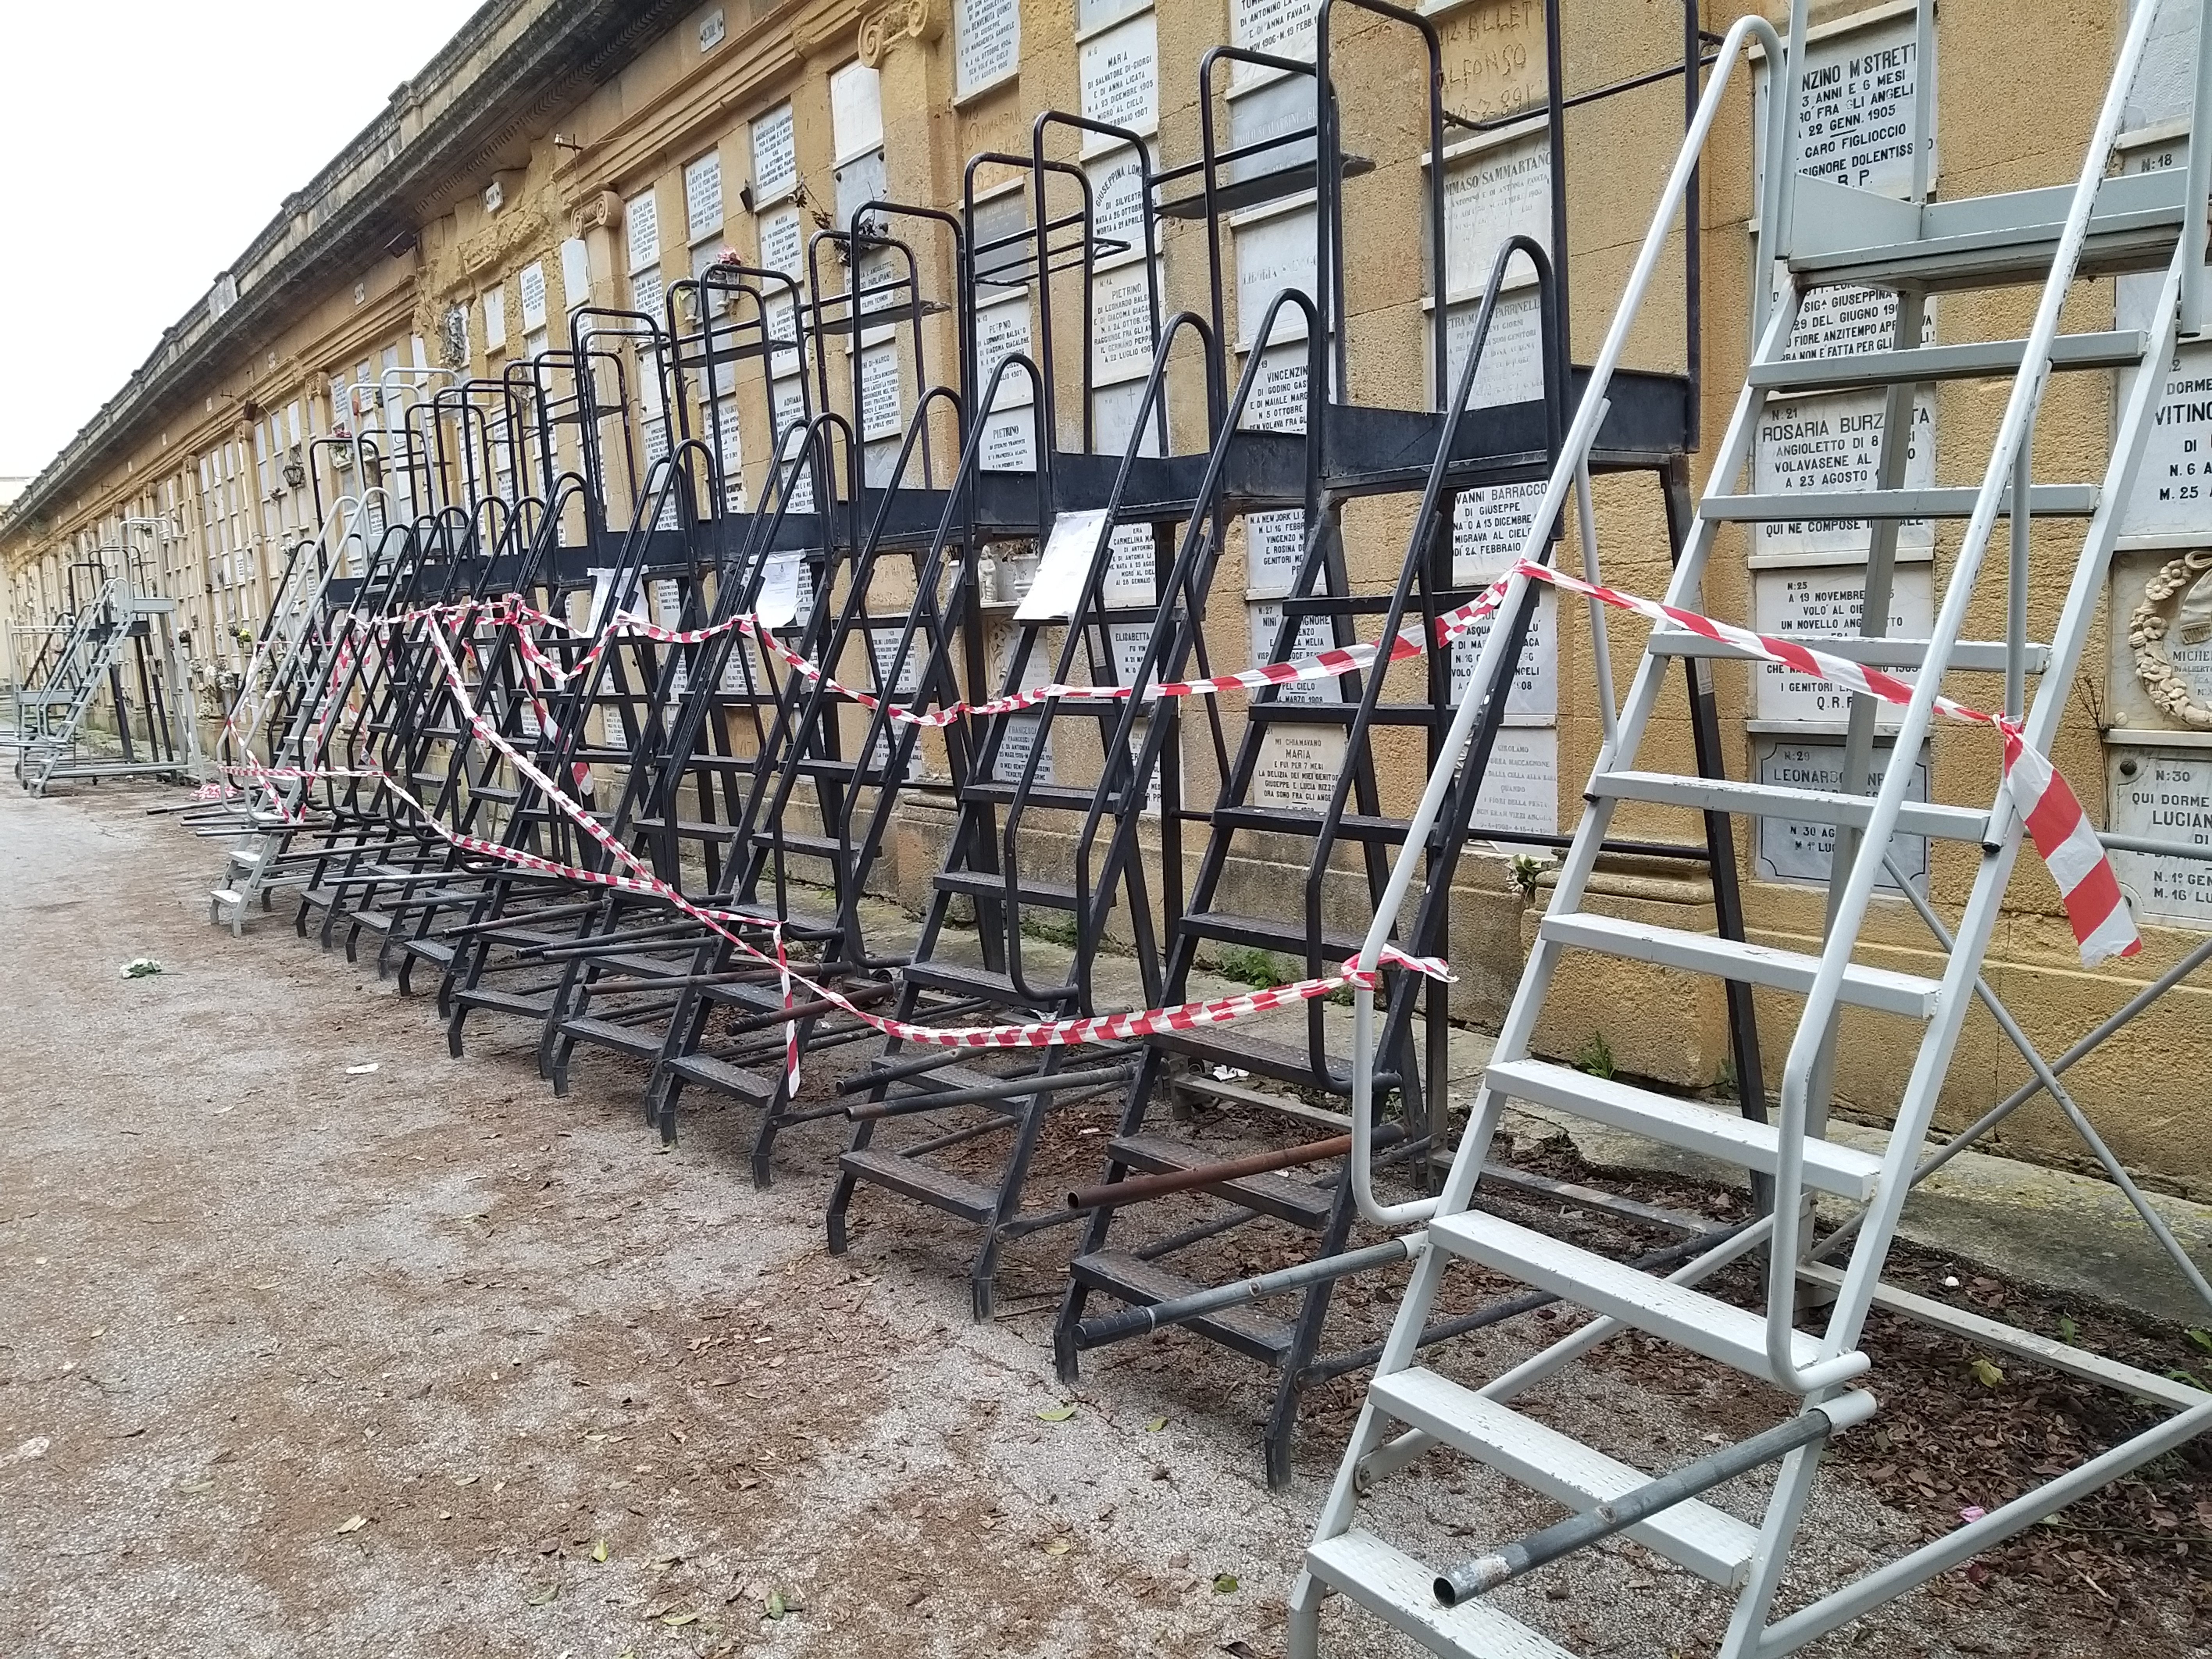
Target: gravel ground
297,1357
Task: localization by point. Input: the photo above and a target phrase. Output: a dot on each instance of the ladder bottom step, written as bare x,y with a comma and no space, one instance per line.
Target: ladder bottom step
924,1183
1399,1590
1145,1283
723,1077
1285,1197
612,1033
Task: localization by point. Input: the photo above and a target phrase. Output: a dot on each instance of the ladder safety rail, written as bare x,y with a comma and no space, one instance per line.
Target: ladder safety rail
2010,448
1491,664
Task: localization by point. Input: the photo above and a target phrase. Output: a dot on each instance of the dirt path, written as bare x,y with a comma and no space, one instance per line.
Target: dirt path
298,1359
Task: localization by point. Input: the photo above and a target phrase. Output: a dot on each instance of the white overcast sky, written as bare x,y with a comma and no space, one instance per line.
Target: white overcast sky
142,144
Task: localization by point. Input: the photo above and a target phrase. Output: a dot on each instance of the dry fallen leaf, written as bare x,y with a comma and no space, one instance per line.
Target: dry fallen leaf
1056,1414
1156,1425
677,1620
1058,1547
201,1483
466,1480
354,1525
543,1595
600,1550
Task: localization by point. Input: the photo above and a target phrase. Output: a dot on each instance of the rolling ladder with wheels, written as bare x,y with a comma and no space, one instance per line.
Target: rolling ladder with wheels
1822,234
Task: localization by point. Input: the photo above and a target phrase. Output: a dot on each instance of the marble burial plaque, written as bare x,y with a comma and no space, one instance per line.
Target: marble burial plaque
2164,794
1520,787
987,37
1299,765
1829,600
1793,851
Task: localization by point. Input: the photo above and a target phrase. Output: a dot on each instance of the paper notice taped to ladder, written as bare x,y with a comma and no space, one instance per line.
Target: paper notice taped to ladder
778,604
1058,587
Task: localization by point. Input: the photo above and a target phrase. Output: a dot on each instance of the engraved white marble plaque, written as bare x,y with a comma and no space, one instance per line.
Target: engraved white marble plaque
776,323
1117,202
1002,330
1282,28
790,416
1791,851
1119,75
1313,638
1834,443
1828,599
1129,566
1512,369
1273,254
2174,491
1129,641
1492,195
882,646
776,155
1278,399
1520,787
782,244
1299,765
534,296
1114,417
1010,442
2165,794
1856,106
1121,324
1490,528
881,415
1535,689
641,223
987,37
1273,544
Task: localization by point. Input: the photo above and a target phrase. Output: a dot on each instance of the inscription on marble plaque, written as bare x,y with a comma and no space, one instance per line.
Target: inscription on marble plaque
1830,599
782,245
880,415
1273,544
1520,787
1282,28
2165,794
1117,202
1496,193
1313,637
986,42
1010,442
883,646
2174,491
776,155
1002,331
1299,765
1129,576
1278,399
1119,76
1855,107
1793,851
1490,528
1273,254
1512,367
1121,324
1536,688
1819,445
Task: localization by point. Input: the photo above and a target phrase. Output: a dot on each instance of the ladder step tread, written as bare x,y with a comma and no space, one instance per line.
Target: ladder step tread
1843,1170
1711,1543
1283,1196
1880,989
1396,1587
725,1078
1303,821
1704,1324
963,980
1965,656
506,1002
1143,1284
612,1033
984,883
1287,1062
926,1182
1769,800
1266,932
2067,501
1971,360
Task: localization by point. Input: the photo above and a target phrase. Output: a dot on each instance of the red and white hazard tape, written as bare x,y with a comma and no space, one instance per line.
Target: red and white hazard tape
2051,811
2056,822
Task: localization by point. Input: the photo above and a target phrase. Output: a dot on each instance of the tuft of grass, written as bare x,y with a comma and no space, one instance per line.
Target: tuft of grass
1260,970
1052,928
1596,1057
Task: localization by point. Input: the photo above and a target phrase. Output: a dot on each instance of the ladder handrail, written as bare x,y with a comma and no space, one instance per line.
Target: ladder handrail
1822,1000
1581,437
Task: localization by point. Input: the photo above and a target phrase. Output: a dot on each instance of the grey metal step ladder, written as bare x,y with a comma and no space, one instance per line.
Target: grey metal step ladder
1814,235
